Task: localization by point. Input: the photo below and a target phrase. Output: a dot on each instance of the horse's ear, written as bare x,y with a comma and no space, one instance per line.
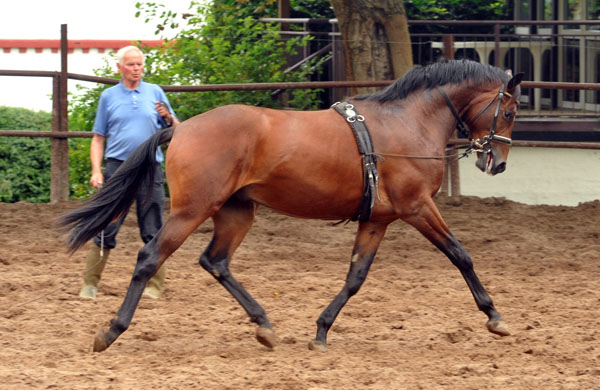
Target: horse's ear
516,80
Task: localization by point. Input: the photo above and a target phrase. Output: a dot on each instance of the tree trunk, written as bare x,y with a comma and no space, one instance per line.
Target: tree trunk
376,39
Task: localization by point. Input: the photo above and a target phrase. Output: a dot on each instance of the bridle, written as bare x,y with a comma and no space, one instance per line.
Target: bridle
484,144
478,145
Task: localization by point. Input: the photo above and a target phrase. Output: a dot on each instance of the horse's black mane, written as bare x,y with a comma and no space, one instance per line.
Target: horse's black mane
437,74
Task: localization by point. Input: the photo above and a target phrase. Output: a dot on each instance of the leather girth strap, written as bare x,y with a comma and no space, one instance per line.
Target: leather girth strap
369,159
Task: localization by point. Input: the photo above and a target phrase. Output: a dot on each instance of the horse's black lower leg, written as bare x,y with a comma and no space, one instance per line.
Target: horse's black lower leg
218,268
146,265
430,223
368,238
232,222
461,259
354,280
176,229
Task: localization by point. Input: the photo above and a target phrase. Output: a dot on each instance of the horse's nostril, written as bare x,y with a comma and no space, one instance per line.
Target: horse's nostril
500,168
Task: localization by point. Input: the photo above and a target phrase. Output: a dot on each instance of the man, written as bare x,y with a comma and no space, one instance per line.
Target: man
128,114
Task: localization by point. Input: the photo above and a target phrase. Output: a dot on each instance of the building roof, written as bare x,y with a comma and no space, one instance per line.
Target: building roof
54,44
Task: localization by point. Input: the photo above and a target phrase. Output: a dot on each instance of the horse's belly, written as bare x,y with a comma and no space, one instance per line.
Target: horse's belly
307,200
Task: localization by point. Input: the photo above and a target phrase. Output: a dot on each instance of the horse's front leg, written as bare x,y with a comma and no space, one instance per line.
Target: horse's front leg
367,241
431,224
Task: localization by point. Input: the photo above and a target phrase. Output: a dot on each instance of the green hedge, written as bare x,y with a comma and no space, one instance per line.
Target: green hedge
24,161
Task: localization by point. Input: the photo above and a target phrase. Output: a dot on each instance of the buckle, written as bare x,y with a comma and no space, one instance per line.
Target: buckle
481,145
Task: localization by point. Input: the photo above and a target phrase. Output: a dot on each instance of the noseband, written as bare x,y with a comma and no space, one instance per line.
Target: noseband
484,144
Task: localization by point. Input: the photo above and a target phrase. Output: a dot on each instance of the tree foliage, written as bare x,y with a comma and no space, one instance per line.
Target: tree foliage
224,42
24,161
456,10
311,9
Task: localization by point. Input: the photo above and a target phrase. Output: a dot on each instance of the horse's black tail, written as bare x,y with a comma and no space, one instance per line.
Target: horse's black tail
116,196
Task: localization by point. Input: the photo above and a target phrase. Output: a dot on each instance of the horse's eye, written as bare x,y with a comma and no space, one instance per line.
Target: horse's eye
508,115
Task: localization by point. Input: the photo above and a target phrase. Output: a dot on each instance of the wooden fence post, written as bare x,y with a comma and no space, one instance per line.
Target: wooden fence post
451,173
59,161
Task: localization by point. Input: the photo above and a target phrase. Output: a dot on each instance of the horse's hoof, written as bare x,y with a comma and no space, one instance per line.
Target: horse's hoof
316,345
100,343
498,327
266,337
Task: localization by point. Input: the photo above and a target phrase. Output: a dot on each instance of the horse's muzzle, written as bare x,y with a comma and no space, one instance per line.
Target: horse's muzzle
492,162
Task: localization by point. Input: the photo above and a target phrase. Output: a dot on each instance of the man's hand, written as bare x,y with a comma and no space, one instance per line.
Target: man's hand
97,180
163,110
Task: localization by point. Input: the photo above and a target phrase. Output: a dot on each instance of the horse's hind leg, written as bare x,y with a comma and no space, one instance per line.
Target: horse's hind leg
367,241
430,223
231,223
175,230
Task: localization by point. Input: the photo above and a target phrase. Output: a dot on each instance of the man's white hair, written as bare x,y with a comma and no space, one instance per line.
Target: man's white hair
124,50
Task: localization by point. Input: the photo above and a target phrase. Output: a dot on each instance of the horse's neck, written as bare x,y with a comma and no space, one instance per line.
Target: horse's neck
462,98
432,110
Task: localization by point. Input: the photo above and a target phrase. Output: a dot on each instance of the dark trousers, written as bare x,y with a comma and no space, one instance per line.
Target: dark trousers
149,207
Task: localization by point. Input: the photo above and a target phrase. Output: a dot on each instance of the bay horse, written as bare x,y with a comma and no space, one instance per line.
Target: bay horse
227,162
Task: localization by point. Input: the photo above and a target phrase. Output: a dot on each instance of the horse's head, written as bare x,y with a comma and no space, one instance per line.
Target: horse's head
491,121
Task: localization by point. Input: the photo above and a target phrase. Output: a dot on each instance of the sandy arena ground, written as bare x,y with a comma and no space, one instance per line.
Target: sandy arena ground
413,325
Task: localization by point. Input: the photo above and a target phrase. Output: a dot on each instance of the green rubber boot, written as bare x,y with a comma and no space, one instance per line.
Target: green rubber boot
94,266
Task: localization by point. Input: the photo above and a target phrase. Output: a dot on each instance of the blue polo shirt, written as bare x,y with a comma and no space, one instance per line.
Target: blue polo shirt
128,117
